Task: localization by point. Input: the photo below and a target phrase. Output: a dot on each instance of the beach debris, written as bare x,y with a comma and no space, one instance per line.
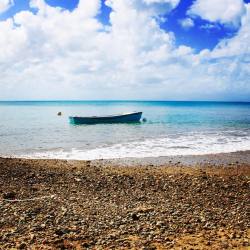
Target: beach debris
11,199
59,113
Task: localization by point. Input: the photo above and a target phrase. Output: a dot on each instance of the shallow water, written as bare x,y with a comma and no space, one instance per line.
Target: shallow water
33,129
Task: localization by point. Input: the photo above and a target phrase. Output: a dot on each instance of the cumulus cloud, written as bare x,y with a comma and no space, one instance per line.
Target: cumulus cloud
230,60
224,11
186,23
152,7
58,54
5,5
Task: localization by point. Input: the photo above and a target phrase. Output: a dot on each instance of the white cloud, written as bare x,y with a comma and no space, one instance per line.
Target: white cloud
224,11
71,55
152,7
237,45
5,5
186,23
210,26
229,62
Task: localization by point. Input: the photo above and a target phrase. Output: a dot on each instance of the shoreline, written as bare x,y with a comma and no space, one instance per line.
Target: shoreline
218,159
69,204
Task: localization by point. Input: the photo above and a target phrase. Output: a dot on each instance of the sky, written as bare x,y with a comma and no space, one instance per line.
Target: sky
125,50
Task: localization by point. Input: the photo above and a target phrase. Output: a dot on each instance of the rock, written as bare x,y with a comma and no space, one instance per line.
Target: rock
123,212
32,237
160,224
61,231
208,243
150,247
23,245
135,216
9,195
85,244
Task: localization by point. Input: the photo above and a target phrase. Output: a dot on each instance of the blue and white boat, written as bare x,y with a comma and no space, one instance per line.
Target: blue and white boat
122,118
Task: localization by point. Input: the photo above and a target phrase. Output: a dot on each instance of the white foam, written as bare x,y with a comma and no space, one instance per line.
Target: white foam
191,144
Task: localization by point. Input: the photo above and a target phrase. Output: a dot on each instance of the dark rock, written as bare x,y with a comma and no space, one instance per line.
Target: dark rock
61,231
135,216
9,195
85,244
23,245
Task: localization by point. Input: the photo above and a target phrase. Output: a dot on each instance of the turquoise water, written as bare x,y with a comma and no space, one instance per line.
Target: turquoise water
33,129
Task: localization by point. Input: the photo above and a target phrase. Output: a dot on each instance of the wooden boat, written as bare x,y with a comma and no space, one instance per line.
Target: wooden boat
122,118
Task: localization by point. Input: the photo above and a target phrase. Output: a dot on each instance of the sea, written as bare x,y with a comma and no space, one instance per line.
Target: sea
32,129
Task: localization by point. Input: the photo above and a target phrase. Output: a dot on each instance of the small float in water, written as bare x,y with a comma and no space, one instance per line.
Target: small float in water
122,118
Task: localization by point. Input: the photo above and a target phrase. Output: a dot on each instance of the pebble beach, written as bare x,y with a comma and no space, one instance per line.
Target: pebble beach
60,204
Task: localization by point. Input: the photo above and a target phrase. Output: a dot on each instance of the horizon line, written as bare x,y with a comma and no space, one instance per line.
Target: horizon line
127,100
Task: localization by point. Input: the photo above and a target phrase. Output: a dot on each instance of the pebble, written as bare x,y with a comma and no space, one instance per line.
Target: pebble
120,207
9,195
23,245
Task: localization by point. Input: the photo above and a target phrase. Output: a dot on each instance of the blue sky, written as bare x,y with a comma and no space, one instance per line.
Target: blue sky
195,37
209,38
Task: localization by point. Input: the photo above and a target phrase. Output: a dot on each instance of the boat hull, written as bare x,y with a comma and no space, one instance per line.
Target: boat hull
125,118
